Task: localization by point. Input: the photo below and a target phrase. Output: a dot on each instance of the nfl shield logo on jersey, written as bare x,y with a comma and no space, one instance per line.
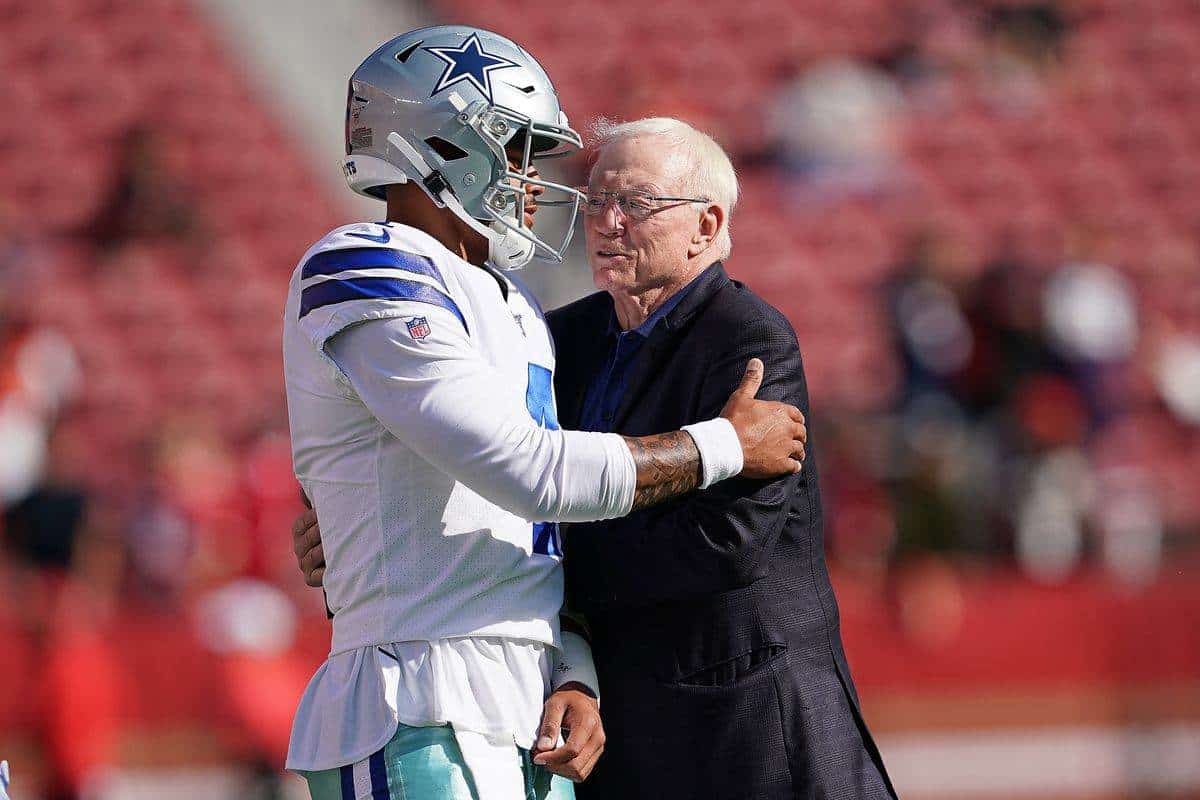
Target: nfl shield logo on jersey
418,328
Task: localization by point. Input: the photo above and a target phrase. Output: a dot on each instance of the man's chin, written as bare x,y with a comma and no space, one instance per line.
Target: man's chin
607,278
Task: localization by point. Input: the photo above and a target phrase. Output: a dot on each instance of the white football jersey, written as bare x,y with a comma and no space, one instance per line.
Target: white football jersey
421,402
420,396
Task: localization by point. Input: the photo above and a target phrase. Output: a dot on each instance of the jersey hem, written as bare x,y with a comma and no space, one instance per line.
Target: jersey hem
523,741
550,640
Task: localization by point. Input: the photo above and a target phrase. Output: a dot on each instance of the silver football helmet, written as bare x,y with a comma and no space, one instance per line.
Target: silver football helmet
439,106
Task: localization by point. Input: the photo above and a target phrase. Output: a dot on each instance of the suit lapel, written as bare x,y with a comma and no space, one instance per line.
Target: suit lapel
580,358
664,339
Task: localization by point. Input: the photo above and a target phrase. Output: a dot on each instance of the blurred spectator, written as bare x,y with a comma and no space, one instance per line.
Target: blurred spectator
1005,388
39,371
1129,523
1091,321
1004,310
1178,375
160,545
270,485
1014,395
923,296
191,526
1090,314
146,200
41,528
1032,32
835,126
1050,517
1019,44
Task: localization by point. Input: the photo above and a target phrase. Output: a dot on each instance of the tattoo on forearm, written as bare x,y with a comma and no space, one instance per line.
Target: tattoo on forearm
668,465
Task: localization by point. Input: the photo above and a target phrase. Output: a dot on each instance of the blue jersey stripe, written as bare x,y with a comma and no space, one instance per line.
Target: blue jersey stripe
329,292
546,539
331,261
347,775
539,396
379,782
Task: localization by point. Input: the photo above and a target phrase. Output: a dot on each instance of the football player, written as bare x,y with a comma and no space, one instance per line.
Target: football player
420,397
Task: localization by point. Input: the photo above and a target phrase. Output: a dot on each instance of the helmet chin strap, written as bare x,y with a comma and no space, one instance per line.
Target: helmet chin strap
507,250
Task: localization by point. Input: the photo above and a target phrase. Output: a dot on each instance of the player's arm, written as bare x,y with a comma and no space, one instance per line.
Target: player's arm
711,541
573,660
670,464
438,397
573,708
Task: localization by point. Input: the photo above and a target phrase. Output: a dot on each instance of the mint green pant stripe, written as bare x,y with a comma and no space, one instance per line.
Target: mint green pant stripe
427,764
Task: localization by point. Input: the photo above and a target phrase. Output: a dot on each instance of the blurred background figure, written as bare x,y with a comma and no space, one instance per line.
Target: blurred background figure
835,127
982,218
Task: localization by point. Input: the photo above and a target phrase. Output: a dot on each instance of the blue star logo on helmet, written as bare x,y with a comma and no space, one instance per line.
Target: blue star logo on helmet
469,63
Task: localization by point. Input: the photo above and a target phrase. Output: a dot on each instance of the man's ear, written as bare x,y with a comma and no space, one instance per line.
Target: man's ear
712,220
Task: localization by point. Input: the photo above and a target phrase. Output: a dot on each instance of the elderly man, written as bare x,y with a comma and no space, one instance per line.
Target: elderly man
715,629
714,625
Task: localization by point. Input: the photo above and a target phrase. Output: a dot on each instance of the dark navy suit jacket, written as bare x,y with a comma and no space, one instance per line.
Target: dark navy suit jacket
715,629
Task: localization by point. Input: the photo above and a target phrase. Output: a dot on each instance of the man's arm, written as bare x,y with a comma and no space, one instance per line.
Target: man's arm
711,541
439,398
670,464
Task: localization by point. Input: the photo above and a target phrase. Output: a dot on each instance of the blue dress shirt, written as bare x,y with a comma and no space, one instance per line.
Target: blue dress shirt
604,392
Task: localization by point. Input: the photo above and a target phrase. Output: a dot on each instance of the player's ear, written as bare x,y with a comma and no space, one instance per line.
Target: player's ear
712,220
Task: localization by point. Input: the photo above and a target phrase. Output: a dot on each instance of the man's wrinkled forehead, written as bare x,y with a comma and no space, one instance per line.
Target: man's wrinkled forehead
637,165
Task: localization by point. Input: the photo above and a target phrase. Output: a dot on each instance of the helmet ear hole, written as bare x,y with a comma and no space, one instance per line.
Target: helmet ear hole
449,151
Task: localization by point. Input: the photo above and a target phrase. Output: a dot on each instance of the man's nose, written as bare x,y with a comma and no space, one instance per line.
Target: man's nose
611,220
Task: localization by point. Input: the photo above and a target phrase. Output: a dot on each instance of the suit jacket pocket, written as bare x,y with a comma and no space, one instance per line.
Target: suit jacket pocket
732,671
730,735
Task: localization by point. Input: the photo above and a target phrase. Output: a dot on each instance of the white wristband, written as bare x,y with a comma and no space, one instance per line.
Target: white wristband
720,450
573,662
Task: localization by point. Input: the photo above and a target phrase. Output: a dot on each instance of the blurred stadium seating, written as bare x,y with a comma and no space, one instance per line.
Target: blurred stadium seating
997,296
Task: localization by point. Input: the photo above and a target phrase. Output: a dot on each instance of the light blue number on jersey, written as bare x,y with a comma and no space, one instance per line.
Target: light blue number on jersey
539,399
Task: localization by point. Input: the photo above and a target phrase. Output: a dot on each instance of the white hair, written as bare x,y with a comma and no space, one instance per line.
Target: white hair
710,173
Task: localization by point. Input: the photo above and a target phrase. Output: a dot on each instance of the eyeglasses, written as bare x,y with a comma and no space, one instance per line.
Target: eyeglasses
635,205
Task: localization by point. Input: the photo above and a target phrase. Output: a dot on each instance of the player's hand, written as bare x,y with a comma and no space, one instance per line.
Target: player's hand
772,434
575,711
306,543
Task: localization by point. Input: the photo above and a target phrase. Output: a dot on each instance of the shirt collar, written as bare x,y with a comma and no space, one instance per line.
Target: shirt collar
644,330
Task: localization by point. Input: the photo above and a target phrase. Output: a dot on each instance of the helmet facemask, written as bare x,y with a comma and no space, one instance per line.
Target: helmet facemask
504,200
